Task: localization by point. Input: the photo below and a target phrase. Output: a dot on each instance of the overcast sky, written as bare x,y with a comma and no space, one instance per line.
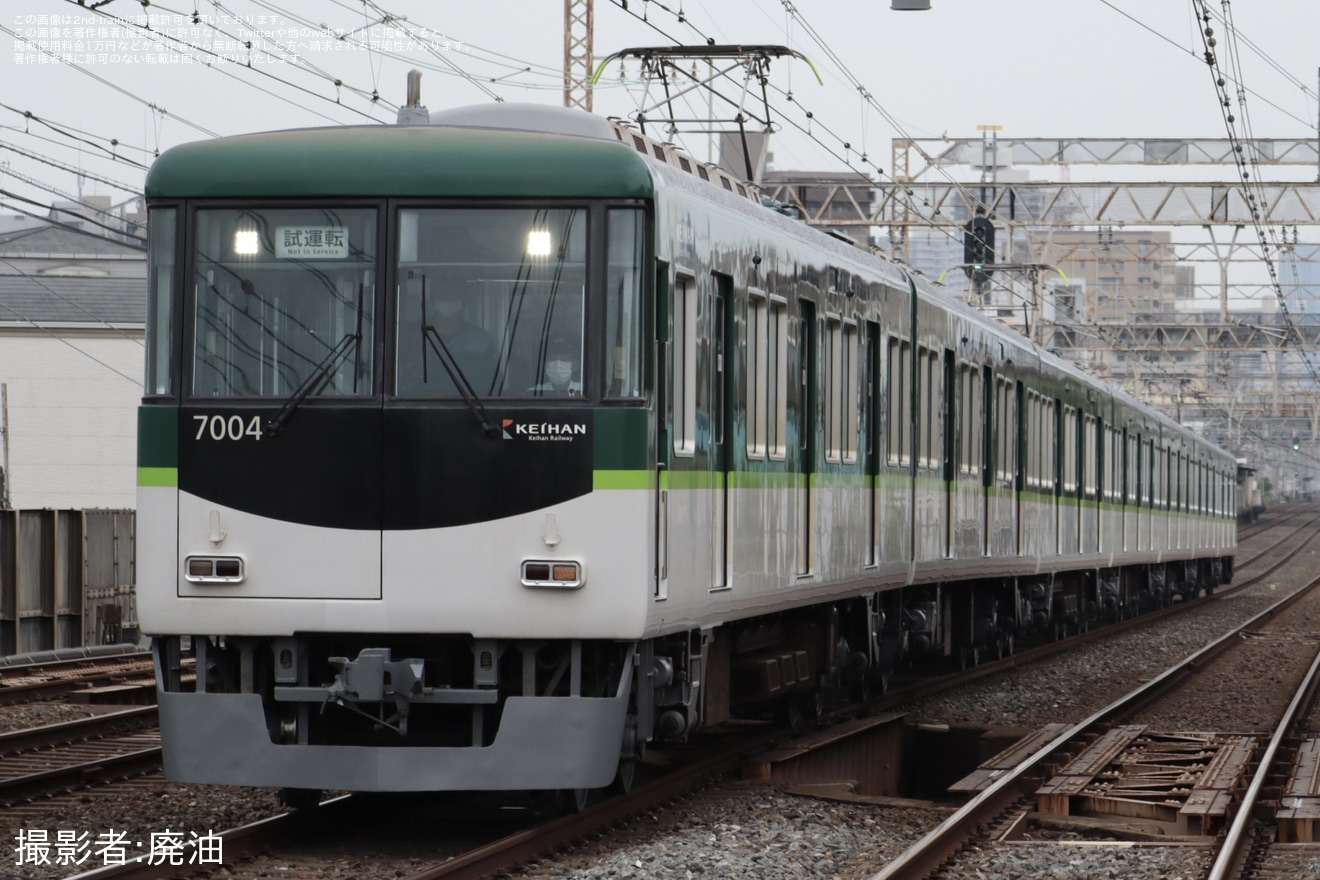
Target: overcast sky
1038,68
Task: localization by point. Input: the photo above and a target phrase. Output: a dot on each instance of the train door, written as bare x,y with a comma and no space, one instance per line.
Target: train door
1069,515
1004,513
1018,460
1089,493
680,499
721,421
808,355
987,453
871,449
663,423
948,450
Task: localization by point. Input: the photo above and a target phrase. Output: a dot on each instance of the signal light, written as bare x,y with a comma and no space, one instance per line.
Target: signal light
978,246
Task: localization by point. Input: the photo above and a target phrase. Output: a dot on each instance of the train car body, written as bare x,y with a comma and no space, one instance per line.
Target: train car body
412,547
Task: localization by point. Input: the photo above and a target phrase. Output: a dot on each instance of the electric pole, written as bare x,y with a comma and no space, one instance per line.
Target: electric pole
577,53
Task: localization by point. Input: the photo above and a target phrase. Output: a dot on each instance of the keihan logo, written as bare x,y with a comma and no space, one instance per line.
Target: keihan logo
542,430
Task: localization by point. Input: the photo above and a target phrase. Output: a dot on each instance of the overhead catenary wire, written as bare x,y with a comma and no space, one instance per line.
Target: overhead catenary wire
813,122
7,194
102,80
1191,52
1245,164
61,166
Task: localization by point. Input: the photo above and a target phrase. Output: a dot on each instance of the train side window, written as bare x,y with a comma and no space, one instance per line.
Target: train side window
1113,467
683,348
852,402
161,241
899,402
1005,404
1092,437
1158,487
776,353
932,418
1069,449
1032,418
624,323
1051,444
1130,471
968,416
923,413
1147,473
833,388
757,376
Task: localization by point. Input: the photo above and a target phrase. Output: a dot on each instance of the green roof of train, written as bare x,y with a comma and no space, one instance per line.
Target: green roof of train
400,161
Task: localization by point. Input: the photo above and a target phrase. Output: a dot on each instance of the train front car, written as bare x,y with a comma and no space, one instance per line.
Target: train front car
393,455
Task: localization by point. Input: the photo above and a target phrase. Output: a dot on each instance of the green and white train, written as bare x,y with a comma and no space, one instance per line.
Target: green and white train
484,452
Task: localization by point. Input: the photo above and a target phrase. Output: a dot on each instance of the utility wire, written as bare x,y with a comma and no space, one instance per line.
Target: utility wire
107,227
105,82
60,166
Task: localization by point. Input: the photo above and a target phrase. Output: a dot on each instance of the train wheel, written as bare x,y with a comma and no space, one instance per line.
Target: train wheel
623,778
789,714
572,800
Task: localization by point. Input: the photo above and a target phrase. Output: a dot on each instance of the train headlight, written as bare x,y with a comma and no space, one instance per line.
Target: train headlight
560,574
246,242
538,243
214,569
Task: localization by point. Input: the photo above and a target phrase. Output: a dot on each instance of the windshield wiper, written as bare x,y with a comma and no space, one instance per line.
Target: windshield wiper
431,337
320,376
315,383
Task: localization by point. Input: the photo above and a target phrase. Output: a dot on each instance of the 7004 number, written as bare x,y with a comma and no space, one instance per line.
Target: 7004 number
231,428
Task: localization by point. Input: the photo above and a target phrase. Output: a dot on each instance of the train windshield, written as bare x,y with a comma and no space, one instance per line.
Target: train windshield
284,302
500,293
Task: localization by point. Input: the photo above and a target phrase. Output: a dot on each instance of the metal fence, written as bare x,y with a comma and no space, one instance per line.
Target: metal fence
67,579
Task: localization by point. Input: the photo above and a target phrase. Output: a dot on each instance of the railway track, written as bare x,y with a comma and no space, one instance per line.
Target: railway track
127,678
1271,518
1300,525
1227,793
60,757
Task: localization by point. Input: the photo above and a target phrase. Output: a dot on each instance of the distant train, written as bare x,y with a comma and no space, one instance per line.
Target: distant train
1250,499
480,454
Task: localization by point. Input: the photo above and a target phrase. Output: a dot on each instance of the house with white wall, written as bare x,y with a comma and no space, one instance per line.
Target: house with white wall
72,304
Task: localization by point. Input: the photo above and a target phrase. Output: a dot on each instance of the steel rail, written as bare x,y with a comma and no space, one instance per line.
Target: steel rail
23,787
1237,844
1297,528
77,729
236,842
